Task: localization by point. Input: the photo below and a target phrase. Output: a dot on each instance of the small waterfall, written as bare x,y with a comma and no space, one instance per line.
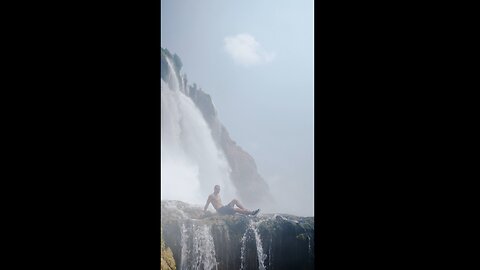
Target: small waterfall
183,243
173,78
309,245
198,250
252,228
242,250
270,255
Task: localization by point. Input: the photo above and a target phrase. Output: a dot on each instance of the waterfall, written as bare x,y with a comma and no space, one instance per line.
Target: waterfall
191,163
252,229
183,244
242,250
264,242
270,255
173,80
198,250
309,245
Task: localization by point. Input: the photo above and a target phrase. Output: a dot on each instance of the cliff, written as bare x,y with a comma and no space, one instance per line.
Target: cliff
251,187
265,241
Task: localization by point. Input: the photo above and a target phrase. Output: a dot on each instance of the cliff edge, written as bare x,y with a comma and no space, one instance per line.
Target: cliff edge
265,241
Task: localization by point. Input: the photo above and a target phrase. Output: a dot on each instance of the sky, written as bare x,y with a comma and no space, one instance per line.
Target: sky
255,59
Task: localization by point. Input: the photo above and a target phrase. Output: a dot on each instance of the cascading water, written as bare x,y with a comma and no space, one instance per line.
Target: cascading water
270,256
309,245
242,250
183,244
252,229
198,250
265,241
191,163
173,80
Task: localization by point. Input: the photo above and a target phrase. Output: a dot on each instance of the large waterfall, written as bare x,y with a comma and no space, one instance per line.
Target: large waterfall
191,162
196,154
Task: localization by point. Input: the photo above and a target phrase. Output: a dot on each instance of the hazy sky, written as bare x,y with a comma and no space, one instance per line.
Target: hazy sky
255,59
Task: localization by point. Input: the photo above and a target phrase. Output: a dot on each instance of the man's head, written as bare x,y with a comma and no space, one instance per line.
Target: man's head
216,189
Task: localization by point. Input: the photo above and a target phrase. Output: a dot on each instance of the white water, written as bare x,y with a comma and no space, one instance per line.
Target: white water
270,255
198,250
252,228
173,80
242,250
183,243
309,245
191,163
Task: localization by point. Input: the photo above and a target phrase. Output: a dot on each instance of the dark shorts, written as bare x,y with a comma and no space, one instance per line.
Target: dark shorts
226,210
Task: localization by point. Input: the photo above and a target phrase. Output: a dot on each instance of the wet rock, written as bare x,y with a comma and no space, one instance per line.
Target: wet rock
167,261
265,241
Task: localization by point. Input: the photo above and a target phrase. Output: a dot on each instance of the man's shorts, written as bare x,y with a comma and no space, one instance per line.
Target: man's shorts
226,210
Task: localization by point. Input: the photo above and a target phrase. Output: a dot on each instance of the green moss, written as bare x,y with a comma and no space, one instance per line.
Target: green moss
301,237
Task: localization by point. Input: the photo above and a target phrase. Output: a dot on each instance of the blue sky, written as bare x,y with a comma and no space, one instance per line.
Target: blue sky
255,59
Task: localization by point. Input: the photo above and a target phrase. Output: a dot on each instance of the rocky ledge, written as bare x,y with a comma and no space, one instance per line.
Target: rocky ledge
211,241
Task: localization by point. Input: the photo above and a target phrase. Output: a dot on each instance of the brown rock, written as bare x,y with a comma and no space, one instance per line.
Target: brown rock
167,262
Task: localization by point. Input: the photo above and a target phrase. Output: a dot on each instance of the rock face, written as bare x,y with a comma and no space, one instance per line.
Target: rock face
251,187
266,241
166,256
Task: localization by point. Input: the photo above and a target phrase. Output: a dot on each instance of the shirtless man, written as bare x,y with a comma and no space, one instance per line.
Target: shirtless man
228,209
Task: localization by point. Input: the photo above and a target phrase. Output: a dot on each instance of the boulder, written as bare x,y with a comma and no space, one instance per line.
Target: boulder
167,262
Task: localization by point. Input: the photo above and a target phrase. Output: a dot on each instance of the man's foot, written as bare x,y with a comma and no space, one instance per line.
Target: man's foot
255,212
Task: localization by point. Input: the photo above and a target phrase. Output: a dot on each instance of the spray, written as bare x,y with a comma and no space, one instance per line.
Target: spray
191,163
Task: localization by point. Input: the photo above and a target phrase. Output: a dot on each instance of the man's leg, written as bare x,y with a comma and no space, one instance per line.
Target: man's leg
237,203
242,211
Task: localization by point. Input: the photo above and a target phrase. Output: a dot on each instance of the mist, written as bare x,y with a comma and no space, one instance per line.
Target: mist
191,164
255,60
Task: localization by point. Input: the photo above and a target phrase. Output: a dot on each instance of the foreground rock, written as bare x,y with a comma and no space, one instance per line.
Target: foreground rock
266,241
166,256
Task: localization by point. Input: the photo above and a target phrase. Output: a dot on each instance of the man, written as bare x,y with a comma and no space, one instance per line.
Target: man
228,209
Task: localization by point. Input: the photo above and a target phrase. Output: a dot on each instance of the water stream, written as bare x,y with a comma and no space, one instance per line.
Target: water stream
261,256
198,250
191,162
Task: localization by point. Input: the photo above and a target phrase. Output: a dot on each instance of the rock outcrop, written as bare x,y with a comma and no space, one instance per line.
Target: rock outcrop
167,262
251,187
265,241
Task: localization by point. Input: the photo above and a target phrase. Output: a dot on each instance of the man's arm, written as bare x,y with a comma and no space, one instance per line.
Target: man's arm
206,205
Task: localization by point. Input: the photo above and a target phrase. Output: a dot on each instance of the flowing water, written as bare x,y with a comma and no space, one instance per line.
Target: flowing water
252,230
309,245
191,162
198,250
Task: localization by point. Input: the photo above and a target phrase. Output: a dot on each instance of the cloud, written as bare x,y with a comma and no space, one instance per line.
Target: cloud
246,51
